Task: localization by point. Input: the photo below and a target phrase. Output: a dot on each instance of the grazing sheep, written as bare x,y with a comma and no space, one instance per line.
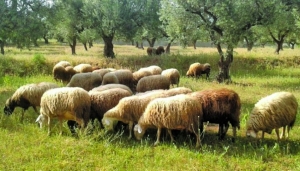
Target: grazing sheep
63,63
83,68
110,78
111,86
173,75
63,71
196,69
180,112
220,106
154,69
129,109
66,103
159,50
102,101
137,75
273,112
125,77
26,96
151,51
86,81
153,82
102,71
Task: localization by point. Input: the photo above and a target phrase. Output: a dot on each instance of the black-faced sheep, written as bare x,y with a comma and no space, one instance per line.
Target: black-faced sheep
220,106
180,112
273,112
102,101
197,69
86,81
129,109
173,75
66,103
159,50
153,82
26,96
83,68
110,78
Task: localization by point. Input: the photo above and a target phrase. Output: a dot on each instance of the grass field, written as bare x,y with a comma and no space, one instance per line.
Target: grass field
254,74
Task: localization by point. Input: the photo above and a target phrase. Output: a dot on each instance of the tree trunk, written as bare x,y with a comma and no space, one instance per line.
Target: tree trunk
168,46
292,45
108,46
151,42
280,39
2,47
90,43
73,45
194,43
224,64
249,44
279,46
35,43
46,40
85,47
137,44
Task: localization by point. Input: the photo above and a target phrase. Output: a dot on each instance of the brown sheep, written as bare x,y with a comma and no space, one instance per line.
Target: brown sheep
160,50
197,69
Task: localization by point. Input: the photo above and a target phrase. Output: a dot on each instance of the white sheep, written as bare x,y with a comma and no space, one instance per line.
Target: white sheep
102,101
153,82
66,103
173,75
197,69
137,75
86,81
111,86
26,96
83,68
110,78
103,71
129,109
180,112
125,77
273,112
154,69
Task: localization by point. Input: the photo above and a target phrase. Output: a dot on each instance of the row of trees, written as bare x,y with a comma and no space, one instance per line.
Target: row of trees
223,22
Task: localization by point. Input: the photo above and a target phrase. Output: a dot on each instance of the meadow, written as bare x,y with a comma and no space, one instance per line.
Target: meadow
255,74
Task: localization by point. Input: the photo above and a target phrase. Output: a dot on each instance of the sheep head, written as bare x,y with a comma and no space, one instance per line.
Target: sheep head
139,131
251,133
41,119
9,107
109,123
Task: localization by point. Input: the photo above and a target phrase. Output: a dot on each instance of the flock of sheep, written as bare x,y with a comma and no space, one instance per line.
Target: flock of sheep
147,99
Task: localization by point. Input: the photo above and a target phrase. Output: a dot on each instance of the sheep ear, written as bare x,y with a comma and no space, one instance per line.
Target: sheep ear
140,130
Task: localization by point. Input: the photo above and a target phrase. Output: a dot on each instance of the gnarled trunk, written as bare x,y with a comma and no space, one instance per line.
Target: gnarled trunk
108,46
249,44
90,43
151,42
85,46
73,45
224,64
46,40
168,46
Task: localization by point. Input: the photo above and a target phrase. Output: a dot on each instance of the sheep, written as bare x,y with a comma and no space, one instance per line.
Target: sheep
181,112
86,81
65,103
129,109
102,101
272,112
102,72
124,76
63,64
111,86
152,82
63,72
137,75
110,78
151,51
220,106
83,68
173,75
196,69
26,96
159,50
154,69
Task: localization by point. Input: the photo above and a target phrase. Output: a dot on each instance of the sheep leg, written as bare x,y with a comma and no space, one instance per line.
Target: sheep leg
171,136
60,127
277,133
158,136
220,131
22,115
262,135
234,134
49,126
288,130
283,133
130,129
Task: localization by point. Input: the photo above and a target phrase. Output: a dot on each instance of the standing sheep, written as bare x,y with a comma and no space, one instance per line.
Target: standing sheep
153,82
220,106
129,109
86,81
63,71
125,77
26,96
180,112
137,75
102,101
173,75
151,51
273,112
66,103
83,68
160,50
197,69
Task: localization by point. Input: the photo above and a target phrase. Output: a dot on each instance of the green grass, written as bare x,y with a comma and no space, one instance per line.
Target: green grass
255,75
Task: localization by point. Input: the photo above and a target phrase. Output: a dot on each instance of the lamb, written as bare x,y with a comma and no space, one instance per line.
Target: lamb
66,103
111,86
110,78
129,109
26,96
181,112
197,69
153,82
102,101
159,50
272,112
220,106
173,75
86,81
83,68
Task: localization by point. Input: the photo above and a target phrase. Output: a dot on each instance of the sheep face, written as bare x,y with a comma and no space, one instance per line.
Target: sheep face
251,133
41,120
108,123
139,131
9,107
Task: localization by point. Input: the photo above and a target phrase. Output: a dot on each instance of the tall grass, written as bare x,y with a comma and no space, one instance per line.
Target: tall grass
255,74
